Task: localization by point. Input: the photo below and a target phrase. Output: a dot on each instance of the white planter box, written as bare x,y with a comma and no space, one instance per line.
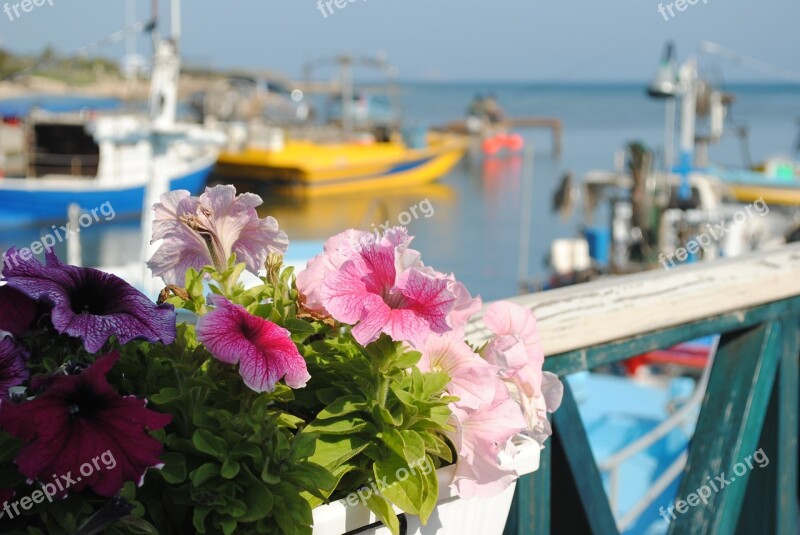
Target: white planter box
452,516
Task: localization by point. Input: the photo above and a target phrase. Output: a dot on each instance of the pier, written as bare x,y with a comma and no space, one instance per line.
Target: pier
750,400
553,124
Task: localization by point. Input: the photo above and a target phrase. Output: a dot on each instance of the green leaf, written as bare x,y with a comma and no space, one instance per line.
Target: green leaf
342,406
383,510
408,485
304,445
228,525
342,426
166,395
174,470
230,469
257,498
437,446
235,508
382,414
407,359
138,526
414,446
434,384
199,518
210,444
298,326
245,449
394,441
204,473
335,450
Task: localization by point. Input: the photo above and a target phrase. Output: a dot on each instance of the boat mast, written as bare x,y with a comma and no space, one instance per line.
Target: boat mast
688,78
346,81
163,109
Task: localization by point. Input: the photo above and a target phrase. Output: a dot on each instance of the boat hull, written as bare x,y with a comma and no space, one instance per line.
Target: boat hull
750,186
21,205
314,170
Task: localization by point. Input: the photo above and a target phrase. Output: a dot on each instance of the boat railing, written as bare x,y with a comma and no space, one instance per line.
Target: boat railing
749,400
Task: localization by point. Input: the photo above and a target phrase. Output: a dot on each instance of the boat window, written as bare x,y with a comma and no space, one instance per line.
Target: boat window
63,149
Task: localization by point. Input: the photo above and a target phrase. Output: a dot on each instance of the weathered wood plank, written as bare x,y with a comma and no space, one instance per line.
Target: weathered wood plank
728,430
592,357
596,313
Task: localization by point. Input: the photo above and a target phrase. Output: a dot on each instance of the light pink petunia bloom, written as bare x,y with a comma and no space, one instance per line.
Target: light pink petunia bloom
371,293
206,230
481,435
472,379
337,250
264,351
535,408
516,348
464,307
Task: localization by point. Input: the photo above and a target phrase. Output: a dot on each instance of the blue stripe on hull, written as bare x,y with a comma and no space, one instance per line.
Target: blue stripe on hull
21,208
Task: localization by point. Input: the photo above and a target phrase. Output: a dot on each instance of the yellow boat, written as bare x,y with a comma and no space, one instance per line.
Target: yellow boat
312,168
776,182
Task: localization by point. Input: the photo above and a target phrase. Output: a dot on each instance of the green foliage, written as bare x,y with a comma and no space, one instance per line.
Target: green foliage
236,461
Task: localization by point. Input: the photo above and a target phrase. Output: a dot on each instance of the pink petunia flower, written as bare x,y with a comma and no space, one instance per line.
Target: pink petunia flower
516,348
264,351
536,408
205,231
464,308
382,289
337,250
481,435
471,377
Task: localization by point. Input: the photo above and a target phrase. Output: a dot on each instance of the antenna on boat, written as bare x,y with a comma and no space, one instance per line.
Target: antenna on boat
714,49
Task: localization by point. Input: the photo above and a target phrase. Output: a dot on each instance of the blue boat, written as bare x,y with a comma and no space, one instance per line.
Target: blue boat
100,171
74,155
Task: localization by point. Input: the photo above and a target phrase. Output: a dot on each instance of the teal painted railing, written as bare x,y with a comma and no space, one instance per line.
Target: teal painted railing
750,402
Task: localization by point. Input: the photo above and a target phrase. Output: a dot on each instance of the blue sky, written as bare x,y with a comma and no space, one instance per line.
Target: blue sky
439,39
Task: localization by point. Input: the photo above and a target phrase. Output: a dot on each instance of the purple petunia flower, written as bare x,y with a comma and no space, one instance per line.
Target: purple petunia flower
17,311
13,371
81,419
206,230
90,304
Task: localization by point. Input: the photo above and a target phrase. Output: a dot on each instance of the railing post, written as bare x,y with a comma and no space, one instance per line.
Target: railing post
789,381
530,512
728,431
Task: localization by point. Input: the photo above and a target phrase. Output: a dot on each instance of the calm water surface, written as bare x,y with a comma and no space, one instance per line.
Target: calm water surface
474,229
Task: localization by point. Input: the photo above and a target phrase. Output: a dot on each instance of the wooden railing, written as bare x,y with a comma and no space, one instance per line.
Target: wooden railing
750,402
